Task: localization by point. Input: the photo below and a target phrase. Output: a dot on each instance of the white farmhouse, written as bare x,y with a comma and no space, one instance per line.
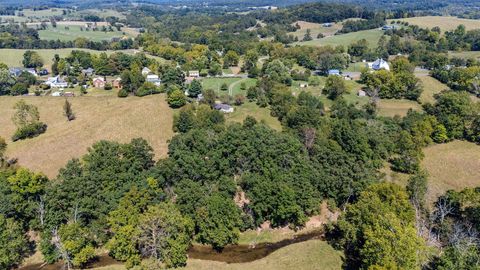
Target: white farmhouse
379,64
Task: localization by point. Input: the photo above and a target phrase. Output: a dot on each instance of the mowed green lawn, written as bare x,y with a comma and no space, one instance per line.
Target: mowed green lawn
73,32
234,85
372,36
252,109
446,23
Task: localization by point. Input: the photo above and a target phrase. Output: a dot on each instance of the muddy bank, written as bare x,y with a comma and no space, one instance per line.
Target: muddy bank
230,254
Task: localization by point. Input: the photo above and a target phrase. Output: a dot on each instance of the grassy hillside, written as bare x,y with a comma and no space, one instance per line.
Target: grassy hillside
68,32
454,165
315,28
252,109
98,118
431,86
372,36
446,23
392,107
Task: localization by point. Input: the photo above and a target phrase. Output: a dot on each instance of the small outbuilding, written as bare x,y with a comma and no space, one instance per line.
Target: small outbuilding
225,108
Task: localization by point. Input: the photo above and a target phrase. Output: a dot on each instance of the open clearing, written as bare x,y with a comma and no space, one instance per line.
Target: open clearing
315,28
465,54
455,165
400,107
446,23
372,36
98,118
252,109
72,31
14,57
431,86
234,85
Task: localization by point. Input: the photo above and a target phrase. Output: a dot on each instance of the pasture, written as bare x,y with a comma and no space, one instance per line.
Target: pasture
372,36
252,109
431,86
446,23
70,32
98,118
400,107
453,165
315,28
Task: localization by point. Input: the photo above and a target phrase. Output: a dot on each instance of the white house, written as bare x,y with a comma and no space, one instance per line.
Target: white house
379,64
56,82
154,79
194,73
146,71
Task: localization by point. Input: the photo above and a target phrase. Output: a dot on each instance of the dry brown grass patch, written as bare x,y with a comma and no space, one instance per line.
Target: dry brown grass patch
98,118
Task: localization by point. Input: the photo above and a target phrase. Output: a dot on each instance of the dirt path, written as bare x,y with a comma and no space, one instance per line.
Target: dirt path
230,88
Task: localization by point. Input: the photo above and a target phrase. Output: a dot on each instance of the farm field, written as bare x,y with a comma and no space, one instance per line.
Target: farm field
392,107
446,23
98,118
72,31
252,109
453,165
315,29
372,36
431,86
14,57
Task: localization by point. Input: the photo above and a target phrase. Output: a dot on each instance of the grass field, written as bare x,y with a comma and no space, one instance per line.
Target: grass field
465,54
252,109
372,36
74,31
315,29
455,165
14,57
98,118
446,23
392,107
431,86
234,85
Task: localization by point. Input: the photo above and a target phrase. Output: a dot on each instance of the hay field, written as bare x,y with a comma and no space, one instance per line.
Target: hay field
315,28
431,86
98,118
372,36
455,165
392,107
446,23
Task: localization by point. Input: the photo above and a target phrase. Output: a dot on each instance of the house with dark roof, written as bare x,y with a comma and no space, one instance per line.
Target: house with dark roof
225,108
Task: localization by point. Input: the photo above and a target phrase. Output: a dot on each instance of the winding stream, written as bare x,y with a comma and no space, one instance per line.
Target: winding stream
230,254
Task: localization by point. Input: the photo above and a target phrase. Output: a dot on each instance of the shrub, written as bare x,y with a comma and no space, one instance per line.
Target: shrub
224,87
146,89
122,93
239,100
29,131
108,86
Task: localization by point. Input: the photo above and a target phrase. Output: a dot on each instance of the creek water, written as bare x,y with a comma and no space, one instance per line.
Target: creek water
230,254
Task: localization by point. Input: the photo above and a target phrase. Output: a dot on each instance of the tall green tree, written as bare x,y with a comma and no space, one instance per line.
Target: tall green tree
14,245
165,235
